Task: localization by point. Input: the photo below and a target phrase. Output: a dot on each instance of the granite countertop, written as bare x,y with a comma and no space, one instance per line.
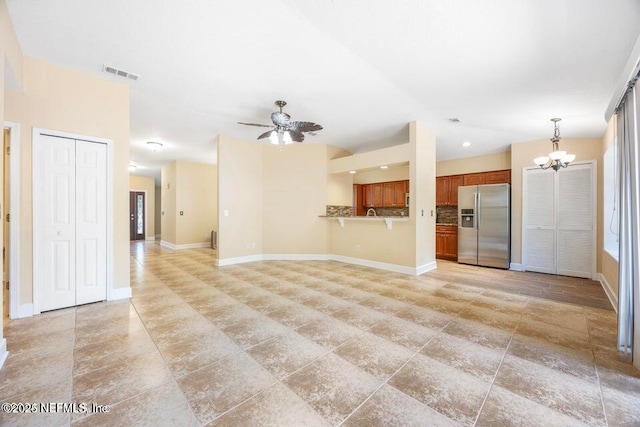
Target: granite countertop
364,216
447,223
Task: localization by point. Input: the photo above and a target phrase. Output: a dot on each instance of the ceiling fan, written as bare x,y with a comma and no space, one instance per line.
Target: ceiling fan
284,130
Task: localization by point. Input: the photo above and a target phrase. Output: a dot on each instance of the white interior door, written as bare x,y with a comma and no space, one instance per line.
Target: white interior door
91,222
539,221
575,221
70,237
558,222
55,191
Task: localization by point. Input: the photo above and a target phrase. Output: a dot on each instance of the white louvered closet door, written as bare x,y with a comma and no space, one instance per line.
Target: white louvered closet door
540,229
558,221
575,221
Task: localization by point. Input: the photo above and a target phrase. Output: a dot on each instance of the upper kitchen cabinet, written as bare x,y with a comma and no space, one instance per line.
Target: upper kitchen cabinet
474,178
385,194
447,190
498,177
373,195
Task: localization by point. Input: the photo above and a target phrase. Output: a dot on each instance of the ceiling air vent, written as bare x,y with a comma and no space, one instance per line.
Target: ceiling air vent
120,73
454,120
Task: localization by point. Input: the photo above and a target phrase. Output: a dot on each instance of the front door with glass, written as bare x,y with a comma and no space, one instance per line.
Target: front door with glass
136,215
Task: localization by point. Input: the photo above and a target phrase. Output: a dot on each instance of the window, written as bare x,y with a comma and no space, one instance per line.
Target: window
611,200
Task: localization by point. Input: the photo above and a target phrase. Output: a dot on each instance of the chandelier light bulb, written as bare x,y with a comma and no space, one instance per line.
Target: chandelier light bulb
286,138
557,158
541,160
274,138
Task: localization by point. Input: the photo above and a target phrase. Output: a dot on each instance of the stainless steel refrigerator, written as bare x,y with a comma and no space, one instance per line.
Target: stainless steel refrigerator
484,225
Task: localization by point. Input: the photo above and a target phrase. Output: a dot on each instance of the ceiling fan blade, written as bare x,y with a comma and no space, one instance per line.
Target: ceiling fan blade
304,126
296,136
267,134
255,124
279,118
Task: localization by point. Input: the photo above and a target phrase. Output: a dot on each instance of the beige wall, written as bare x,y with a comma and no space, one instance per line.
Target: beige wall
398,154
240,194
423,192
197,198
59,99
157,211
609,266
393,173
146,184
488,162
340,189
522,155
168,203
294,182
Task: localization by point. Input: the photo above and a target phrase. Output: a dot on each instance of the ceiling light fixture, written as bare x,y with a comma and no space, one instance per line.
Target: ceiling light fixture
466,144
154,146
556,159
384,167
352,172
279,137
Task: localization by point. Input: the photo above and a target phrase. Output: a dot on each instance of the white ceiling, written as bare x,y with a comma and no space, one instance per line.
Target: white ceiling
361,68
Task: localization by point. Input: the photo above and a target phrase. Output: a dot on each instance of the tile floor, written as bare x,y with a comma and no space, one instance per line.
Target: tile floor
318,343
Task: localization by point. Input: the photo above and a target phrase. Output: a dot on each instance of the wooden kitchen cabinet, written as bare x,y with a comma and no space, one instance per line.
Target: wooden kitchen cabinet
474,178
447,242
385,194
373,195
497,177
400,190
455,181
447,190
358,200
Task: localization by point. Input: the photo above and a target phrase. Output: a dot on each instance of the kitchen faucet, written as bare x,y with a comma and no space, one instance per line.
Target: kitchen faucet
371,211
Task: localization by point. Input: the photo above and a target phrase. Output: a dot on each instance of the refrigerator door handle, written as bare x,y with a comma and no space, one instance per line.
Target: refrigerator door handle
478,201
476,196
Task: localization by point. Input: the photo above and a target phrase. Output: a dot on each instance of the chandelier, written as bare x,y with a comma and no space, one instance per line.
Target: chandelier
556,159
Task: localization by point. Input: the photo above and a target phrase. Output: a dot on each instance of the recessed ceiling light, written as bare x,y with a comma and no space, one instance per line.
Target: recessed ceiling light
384,167
154,146
466,144
352,172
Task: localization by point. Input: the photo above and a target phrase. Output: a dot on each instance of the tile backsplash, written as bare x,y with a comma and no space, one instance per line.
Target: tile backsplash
446,214
333,210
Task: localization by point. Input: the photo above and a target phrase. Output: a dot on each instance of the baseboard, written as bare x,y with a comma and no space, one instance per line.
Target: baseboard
167,245
374,264
515,266
607,290
25,310
3,351
426,267
171,246
295,257
238,260
120,293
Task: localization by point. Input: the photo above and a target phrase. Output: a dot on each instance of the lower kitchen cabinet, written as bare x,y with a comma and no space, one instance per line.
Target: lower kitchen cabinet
447,242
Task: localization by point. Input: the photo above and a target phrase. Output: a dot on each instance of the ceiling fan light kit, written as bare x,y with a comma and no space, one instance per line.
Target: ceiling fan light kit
557,158
284,130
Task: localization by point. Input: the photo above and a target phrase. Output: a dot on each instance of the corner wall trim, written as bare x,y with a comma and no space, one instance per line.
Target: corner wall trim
426,267
3,351
120,293
607,290
171,246
25,310
238,260
515,266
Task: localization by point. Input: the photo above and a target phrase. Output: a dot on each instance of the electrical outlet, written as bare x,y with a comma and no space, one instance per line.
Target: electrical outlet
357,248
253,245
